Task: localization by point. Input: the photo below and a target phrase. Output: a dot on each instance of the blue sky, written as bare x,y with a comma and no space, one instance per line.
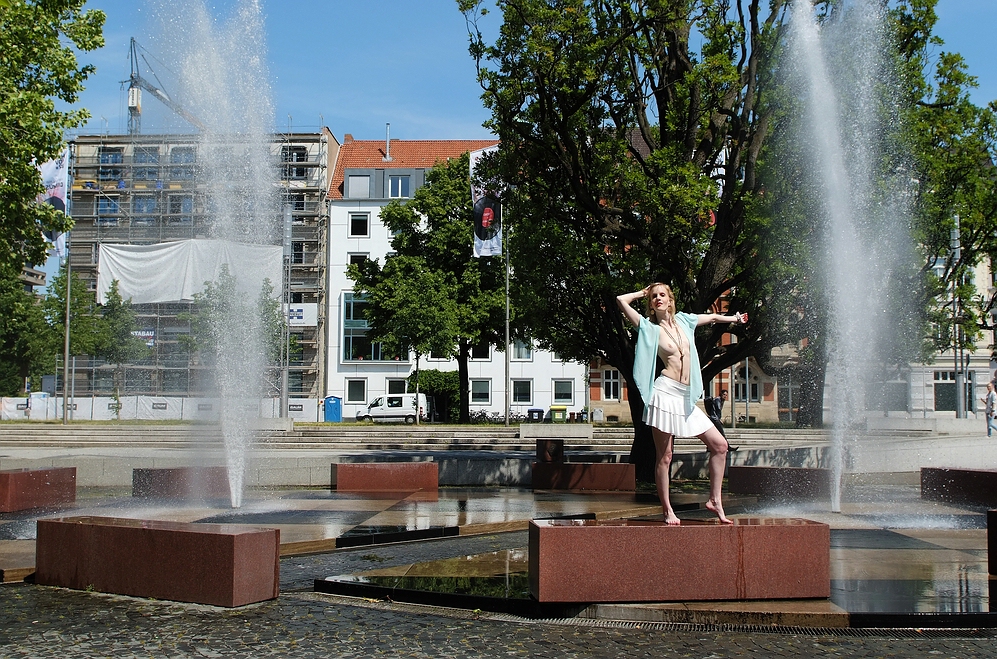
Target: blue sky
355,66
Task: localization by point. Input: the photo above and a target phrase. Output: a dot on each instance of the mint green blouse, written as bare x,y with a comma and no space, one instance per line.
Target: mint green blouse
646,357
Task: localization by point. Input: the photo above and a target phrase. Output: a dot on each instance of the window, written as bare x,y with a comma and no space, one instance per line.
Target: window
297,252
358,259
359,225
145,173
358,187
396,386
180,207
564,392
289,154
296,200
357,346
480,351
108,206
146,155
356,391
182,163
295,382
740,389
522,392
110,156
611,385
481,392
522,351
398,187
394,401
144,204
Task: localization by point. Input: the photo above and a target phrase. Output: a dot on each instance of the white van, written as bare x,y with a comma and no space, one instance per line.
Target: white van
394,407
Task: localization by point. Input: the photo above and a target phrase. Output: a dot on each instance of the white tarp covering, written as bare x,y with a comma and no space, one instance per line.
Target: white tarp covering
175,271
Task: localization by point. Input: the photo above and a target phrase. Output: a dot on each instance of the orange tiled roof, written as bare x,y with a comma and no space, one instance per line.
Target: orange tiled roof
407,154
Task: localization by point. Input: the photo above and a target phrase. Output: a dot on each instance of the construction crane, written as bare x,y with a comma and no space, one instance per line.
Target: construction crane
136,83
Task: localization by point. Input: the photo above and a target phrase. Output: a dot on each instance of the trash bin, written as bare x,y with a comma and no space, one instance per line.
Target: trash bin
333,409
558,413
534,415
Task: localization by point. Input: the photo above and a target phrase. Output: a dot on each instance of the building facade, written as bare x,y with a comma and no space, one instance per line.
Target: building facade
148,189
368,175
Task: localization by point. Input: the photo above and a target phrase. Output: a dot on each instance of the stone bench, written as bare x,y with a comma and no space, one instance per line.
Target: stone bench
385,476
181,483
596,476
780,482
973,486
218,564
577,431
24,489
633,561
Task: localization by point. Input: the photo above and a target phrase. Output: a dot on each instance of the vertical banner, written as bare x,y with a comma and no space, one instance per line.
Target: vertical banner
55,178
487,213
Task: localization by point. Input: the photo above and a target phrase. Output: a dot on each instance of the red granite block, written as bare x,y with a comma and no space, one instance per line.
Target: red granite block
219,564
605,476
23,489
385,476
550,450
632,561
976,486
782,482
181,482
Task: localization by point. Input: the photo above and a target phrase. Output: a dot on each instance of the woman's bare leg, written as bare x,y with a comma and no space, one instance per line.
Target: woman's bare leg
716,444
663,444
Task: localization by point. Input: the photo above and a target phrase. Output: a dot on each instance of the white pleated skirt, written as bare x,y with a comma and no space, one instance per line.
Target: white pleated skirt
666,410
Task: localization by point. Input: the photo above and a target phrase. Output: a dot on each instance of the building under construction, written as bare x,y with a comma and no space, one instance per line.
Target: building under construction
147,189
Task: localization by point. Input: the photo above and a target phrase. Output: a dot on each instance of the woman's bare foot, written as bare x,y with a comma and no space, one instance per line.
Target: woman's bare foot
719,510
672,520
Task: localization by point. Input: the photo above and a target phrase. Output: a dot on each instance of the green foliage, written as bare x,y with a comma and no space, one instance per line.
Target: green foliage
86,335
442,386
38,41
118,345
26,339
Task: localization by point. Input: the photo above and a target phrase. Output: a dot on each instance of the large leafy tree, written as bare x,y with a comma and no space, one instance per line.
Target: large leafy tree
432,294
26,340
630,155
38,41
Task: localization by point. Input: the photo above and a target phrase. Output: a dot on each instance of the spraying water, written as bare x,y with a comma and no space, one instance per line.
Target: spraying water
223,81
841,74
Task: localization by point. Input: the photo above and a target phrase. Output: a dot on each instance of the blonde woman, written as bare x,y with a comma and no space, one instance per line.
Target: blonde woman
670,396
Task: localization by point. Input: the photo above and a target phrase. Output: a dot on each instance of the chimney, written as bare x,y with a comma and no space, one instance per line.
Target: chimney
348,137
387,141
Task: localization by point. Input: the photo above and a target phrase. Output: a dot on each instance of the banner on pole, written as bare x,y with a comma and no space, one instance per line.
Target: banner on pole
487,213
55,178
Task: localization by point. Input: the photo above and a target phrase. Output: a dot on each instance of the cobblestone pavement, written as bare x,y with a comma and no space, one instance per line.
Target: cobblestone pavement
38,621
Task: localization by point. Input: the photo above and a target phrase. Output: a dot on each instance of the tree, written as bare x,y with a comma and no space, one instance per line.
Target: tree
86,335
432,294
116,341
628,157
26,339
38,39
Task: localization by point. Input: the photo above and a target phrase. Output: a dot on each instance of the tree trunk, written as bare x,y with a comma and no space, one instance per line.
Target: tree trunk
811,411
642,454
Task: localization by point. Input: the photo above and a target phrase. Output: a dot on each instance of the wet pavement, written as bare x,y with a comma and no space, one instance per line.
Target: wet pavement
891,553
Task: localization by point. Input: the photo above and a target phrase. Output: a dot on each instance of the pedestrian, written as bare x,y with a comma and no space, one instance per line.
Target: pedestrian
990,408
670,396
714,409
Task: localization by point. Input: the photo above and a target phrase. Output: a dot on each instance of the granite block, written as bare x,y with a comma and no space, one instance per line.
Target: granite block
599,476
218,564
385,476
24,489
973,486
181,482
780,482
640,561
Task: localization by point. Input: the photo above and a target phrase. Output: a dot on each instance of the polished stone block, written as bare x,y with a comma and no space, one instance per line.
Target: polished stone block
780,482
992,541
975,486
600,476
219,564
634,561
385,476
181,482
576,431
24,489
550,450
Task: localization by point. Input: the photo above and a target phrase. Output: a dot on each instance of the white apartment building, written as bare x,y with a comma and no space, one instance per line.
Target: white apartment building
368,174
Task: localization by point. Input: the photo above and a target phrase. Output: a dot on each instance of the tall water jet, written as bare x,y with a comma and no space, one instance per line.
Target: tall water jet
223,80
840,71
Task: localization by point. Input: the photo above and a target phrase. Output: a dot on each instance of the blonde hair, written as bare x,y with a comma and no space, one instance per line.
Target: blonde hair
647,300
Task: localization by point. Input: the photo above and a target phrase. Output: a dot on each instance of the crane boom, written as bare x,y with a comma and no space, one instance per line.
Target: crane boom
136,83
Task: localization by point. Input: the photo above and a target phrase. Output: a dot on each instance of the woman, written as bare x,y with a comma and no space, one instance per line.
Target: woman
670,397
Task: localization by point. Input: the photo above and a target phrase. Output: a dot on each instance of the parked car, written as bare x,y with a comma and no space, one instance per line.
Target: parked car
394,407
